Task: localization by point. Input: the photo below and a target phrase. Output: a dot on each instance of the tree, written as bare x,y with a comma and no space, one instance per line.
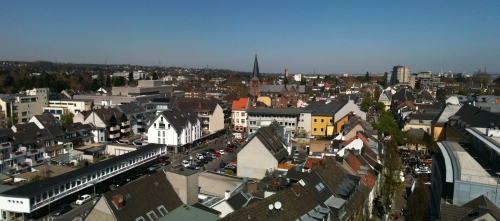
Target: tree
390,172
102,80
59,85
376,93
229,172
108,81
130,77
419,202
379,106
119,81
366,103
311,93
367,77
463,91
482,78
67,118
95,85
387,125
155,76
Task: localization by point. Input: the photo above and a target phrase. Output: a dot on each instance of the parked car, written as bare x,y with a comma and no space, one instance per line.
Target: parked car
209,158
134,176
215,155
120,182
62,210
203,161
228,149
212,150
185,163
83,199
222,152
200,164
166,162
199,156
101,190
151,172
191,167
155,166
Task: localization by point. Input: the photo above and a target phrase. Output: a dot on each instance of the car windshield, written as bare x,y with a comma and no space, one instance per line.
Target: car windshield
81,198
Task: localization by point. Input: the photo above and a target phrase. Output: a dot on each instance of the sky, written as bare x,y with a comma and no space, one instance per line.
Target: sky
320,37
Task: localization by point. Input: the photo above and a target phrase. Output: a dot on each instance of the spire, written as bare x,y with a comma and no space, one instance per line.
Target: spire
255,69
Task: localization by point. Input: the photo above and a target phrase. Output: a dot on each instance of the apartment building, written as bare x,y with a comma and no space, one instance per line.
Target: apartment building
64,106
24,105
239,114
400,74
209,112
287,117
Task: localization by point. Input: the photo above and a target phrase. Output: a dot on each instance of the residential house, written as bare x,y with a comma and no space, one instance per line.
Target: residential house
322,118
287,117
437,125
419,121
150,198
263,152
385,98
110,124
239,114
175,128
209,112
138,116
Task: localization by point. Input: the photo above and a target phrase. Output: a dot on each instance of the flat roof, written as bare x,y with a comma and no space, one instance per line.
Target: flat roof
40,186
76,99
466,168
184,172
295,111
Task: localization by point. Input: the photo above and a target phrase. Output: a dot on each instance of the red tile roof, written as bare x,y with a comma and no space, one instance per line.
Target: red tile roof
356,164
407,103
310,161
241,104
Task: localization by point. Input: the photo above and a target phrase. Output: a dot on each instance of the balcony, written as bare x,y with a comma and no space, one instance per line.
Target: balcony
206,122
161,126
113,136
35,151
5,145
20,153
125,130
126,123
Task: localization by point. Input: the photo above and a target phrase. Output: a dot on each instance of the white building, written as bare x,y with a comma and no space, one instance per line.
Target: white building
262,153
297,77
175,128
64,106
239,114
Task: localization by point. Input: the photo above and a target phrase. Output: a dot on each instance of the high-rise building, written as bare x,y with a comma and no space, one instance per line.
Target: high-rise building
286,73
400,74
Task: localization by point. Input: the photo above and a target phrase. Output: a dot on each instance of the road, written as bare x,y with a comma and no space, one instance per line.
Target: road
216,144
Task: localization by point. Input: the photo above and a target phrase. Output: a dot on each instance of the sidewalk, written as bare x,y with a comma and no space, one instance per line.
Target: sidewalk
399,199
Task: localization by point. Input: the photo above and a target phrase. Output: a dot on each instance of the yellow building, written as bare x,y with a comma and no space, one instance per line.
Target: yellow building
323,118
265,99
340,123
319,125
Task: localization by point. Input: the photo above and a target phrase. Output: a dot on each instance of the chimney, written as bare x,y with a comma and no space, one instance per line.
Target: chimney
314,165
118,200
227,194
308,148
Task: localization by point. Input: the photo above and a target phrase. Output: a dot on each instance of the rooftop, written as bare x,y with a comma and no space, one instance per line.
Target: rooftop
294,111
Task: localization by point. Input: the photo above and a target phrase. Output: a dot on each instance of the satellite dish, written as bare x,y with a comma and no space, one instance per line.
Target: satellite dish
277,205
271,206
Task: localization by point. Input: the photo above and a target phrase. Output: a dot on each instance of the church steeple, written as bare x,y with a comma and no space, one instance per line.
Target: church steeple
255,81
255,69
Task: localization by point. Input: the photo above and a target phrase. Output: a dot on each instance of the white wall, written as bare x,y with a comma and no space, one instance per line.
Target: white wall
350,106
16,204
254,160
238,117
224,208
117,150
169,135
305,121
217,119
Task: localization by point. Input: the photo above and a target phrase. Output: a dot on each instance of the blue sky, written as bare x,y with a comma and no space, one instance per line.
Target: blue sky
303,36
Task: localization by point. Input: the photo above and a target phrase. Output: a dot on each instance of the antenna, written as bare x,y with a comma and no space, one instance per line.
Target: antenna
271,207
277,205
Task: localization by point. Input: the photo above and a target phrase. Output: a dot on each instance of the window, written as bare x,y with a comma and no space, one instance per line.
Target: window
159,133
163,133
243,114
322,129
242,121
162,210
315,120
314,129
25,113
140,219
322,120
320,187
152,216
237,114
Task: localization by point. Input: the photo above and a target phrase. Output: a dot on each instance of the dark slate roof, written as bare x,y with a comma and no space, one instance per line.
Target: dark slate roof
205,208
197,104
403,95
47,120
255,75
425,116
107,113
453,212
178,118
296,174
272,141
294,206
142,196
30,189
239,200
131,108
324,109
477,117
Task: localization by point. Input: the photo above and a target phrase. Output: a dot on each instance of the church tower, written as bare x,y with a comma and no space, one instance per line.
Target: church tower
255,82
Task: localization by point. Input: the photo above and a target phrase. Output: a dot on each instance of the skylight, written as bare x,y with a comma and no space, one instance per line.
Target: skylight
152,215
162,210
320,187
